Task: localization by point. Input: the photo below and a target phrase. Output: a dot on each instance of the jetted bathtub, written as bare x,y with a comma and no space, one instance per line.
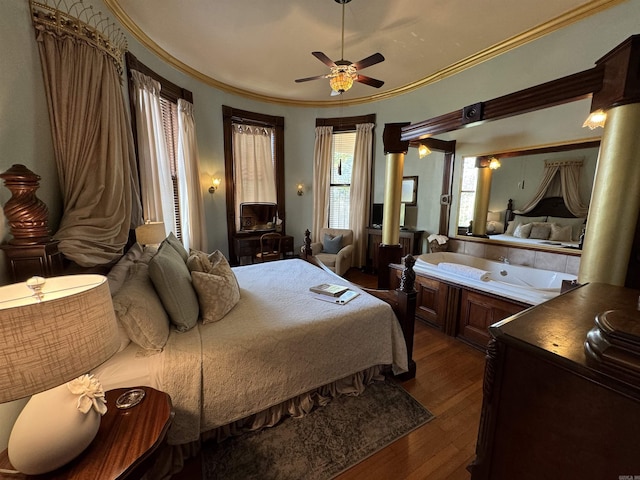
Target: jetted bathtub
523,284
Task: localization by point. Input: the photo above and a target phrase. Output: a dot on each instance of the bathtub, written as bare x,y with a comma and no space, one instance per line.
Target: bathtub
515,282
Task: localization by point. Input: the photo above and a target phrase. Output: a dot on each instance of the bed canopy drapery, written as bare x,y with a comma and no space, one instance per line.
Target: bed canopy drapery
567,174
81,55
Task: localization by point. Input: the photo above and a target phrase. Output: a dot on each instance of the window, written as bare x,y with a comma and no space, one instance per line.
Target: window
343,146
271,128
169,93
467,191
170,130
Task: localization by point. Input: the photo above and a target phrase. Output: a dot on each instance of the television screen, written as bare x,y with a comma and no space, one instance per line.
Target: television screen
258,216
377,214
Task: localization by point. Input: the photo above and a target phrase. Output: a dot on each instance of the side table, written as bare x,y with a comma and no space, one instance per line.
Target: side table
24,261
124,446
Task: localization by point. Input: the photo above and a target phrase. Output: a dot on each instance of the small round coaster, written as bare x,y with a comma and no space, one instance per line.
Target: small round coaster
130,398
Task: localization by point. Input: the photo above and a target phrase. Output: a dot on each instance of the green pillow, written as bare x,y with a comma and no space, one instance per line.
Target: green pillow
332,244
177,245
172,281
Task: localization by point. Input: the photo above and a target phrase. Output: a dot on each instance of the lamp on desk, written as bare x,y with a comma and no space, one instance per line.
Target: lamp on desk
53,332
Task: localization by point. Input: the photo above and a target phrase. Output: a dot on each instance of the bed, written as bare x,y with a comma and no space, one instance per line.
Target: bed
278,351
550,223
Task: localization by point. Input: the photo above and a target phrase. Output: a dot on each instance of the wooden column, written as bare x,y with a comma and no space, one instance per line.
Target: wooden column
390,250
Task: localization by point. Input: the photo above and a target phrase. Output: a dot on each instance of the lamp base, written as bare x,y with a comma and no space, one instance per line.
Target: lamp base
50,432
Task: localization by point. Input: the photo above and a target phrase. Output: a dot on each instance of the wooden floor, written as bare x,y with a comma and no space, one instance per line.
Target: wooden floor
449,383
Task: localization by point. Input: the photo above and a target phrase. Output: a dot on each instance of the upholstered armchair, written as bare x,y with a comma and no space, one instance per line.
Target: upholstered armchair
335,249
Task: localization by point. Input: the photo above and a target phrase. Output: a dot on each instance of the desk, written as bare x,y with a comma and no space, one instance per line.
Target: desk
248,244
409,239
124,446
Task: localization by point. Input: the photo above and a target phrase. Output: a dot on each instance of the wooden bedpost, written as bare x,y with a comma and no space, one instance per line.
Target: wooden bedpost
307,244
402,301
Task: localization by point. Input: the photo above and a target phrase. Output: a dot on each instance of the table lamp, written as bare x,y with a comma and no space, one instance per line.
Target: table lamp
53,331
150,233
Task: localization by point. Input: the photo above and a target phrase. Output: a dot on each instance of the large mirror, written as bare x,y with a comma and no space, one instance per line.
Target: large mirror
518,179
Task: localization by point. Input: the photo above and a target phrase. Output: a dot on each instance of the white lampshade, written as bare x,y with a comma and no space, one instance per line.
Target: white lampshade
493,216
151,233
45,343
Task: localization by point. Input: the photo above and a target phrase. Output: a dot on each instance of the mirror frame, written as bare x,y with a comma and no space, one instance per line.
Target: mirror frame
409,195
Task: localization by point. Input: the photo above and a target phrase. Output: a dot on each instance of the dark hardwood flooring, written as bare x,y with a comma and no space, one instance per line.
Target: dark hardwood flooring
449,383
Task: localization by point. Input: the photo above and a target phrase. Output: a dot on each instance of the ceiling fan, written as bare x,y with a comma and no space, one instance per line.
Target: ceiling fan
343,72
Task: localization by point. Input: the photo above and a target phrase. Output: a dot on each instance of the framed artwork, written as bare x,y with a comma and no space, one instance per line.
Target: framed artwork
409,194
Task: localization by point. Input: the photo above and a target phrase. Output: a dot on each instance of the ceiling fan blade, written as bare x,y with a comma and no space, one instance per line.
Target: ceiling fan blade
324,59
317,77
367,62
373,82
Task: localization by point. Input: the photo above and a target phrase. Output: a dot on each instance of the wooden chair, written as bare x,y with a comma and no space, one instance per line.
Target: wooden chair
270,247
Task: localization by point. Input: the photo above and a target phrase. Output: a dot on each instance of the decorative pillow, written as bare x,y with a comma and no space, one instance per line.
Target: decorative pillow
576,225
540,231
331,244
218,290
120,271
199,261
560,233
172,280
177,245
523,231
140,311
523,220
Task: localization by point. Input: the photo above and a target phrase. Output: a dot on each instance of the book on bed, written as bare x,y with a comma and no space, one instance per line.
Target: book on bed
343,299
329,289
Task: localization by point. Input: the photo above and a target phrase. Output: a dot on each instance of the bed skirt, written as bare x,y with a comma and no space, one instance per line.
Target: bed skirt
173,457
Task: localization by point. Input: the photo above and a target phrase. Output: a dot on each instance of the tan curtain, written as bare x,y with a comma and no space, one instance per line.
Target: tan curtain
155,170
321,174
253,166
569,171
194,234
361,191
93,146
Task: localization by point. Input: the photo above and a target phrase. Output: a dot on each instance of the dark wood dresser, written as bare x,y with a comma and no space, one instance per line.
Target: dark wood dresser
553,411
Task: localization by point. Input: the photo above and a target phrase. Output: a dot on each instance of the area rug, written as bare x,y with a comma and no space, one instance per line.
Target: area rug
323,443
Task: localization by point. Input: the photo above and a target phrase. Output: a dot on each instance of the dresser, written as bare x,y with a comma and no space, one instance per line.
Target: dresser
553,410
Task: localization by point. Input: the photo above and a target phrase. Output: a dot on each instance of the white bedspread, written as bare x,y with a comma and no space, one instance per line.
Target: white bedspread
276,343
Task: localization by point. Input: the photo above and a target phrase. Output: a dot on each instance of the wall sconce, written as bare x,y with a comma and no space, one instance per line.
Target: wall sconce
215,183
595,119
492,163
423,150
300,191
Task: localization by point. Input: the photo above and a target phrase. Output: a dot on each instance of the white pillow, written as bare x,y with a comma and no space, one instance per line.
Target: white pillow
523,219
560,233
576,225
523,231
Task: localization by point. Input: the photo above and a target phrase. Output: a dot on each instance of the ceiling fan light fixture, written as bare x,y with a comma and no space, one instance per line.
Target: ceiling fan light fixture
341,81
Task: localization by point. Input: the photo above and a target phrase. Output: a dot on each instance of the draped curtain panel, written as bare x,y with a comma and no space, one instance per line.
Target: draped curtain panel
93,145
321,175
194,234
253,166
361,192
569,172
155,170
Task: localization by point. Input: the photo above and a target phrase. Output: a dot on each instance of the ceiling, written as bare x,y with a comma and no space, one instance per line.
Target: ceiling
257,48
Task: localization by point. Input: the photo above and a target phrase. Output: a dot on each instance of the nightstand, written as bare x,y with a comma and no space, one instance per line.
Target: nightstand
125,445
